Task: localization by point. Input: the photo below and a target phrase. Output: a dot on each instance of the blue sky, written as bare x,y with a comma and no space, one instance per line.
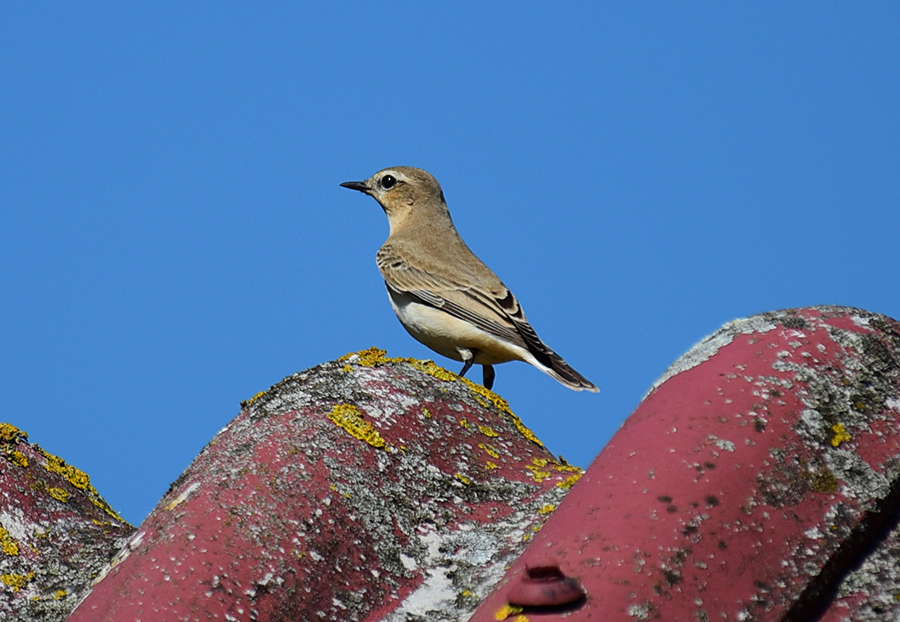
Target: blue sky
174,238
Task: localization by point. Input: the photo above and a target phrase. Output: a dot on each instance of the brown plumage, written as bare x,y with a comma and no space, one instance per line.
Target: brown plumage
445,296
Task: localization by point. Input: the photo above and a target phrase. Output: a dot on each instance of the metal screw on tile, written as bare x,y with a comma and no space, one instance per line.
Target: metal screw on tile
545,586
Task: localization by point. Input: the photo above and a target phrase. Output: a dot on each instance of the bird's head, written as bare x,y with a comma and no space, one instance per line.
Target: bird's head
405,193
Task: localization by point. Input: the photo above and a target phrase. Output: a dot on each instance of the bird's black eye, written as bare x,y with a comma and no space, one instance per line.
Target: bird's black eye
388,182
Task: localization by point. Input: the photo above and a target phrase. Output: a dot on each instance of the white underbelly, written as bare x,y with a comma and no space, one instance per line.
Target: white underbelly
450,336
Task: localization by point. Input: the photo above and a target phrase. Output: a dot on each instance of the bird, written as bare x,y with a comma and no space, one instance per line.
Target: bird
445,296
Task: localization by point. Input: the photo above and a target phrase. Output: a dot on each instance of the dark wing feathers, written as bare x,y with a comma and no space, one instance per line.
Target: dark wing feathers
462,313
455,298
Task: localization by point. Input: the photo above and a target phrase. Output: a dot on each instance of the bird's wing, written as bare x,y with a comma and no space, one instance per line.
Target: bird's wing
492,308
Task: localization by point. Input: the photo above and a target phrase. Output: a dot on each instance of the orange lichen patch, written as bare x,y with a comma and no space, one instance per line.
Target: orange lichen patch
840,435
9,546
11,434
351,419
16,581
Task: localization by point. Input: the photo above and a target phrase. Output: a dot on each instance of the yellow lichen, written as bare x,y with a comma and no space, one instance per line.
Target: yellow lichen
493,453
431,368
17,458
367,358
16,581
537,474
351,419
569,481
464,423
59,494
255,397
547,509
465,480
76,477
373,357
840,435
509,610
489,432
524,431
79,479
426,413
60,594
9,546
11,434
822,480
490,465
565,466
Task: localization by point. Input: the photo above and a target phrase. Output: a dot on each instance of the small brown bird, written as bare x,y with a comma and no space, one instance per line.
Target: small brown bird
442,293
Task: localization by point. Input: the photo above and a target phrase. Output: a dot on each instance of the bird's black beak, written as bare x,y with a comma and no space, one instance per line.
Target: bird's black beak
356,185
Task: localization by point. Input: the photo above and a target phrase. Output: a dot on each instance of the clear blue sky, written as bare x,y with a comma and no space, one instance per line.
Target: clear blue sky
174,238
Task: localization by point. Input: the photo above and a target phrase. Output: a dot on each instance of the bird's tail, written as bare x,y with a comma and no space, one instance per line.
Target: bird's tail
545,359
553,365
565,374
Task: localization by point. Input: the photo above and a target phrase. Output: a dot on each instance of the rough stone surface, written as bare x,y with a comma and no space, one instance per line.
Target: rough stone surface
56,532
759,480
362,489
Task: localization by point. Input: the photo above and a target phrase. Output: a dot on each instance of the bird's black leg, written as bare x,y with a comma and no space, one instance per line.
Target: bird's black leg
488,376
466,366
